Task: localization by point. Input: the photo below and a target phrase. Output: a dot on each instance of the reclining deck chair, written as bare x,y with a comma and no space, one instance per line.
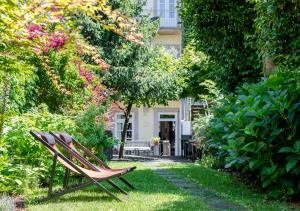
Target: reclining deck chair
67,141
94,177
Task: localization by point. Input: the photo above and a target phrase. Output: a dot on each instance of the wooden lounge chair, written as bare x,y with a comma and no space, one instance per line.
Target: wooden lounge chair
72,145
94,177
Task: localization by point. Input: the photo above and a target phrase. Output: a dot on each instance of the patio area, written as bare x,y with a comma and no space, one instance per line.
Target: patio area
144,150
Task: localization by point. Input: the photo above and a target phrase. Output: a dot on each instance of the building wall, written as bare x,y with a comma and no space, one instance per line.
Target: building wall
148,119
169,39
169,34
146,122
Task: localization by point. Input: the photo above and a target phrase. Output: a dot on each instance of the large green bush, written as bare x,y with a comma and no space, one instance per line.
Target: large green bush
24,162
258,132
91,130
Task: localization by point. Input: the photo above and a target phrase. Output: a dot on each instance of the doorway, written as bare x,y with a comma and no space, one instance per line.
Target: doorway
167,132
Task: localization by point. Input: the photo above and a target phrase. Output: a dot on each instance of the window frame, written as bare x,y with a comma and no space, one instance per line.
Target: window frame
131,120
172,9
162,11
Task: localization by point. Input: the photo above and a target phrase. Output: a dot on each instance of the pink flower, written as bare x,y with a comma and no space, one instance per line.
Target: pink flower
34,31
46,50
57,40
59,17
82,72
34,27
89,77
54,9
87,74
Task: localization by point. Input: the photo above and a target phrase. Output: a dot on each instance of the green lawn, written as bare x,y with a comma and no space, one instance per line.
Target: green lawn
224,185
153,193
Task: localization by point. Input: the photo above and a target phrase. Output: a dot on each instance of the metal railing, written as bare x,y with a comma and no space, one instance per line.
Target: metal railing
167,18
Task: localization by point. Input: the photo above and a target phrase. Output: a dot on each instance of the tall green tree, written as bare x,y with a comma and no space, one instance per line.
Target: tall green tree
224,31
278,30
138,74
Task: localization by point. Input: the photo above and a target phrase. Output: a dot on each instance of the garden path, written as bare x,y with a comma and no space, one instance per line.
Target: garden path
213,201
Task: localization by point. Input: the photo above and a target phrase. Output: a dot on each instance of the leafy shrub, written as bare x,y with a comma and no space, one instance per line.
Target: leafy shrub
91,130
200,125
24,162
258,131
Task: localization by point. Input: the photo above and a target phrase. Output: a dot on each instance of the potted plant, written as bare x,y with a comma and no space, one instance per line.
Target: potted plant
156,142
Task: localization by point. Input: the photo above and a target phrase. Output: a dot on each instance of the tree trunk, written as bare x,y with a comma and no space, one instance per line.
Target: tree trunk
268,65
4,102
125,127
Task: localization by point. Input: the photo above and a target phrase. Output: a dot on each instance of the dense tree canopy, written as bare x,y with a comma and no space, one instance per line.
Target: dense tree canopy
278,31
224,30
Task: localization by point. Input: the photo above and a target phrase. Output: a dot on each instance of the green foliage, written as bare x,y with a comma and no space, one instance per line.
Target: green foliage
139,74
200,126
257,131
24,162
91,130
207,161
194,68
278,28
44,90
224,31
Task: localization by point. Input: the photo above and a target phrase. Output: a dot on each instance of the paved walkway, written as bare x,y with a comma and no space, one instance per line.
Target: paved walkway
212,200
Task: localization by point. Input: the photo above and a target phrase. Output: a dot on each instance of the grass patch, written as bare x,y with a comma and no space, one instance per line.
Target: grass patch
153,193
223,184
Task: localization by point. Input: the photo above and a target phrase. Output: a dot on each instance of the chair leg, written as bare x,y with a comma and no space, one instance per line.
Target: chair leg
66,178
65,191
101,187
127,183
78,187
52,175
117,187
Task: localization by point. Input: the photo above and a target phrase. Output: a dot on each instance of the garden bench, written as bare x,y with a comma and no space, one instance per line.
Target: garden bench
137,147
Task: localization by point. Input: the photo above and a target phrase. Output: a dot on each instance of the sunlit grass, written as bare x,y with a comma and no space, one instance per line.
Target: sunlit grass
153,193
225,185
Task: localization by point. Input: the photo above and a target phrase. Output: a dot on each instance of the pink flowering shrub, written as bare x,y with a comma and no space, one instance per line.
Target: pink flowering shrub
55,40
87,74
34,31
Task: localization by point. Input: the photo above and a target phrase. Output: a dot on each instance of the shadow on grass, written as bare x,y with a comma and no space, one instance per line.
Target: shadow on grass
229,187
144,180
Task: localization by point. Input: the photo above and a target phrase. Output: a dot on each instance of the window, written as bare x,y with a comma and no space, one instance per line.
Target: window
172,8
167,116
120,118
162,8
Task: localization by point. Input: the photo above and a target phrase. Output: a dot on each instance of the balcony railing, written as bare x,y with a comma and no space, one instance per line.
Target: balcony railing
167,19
